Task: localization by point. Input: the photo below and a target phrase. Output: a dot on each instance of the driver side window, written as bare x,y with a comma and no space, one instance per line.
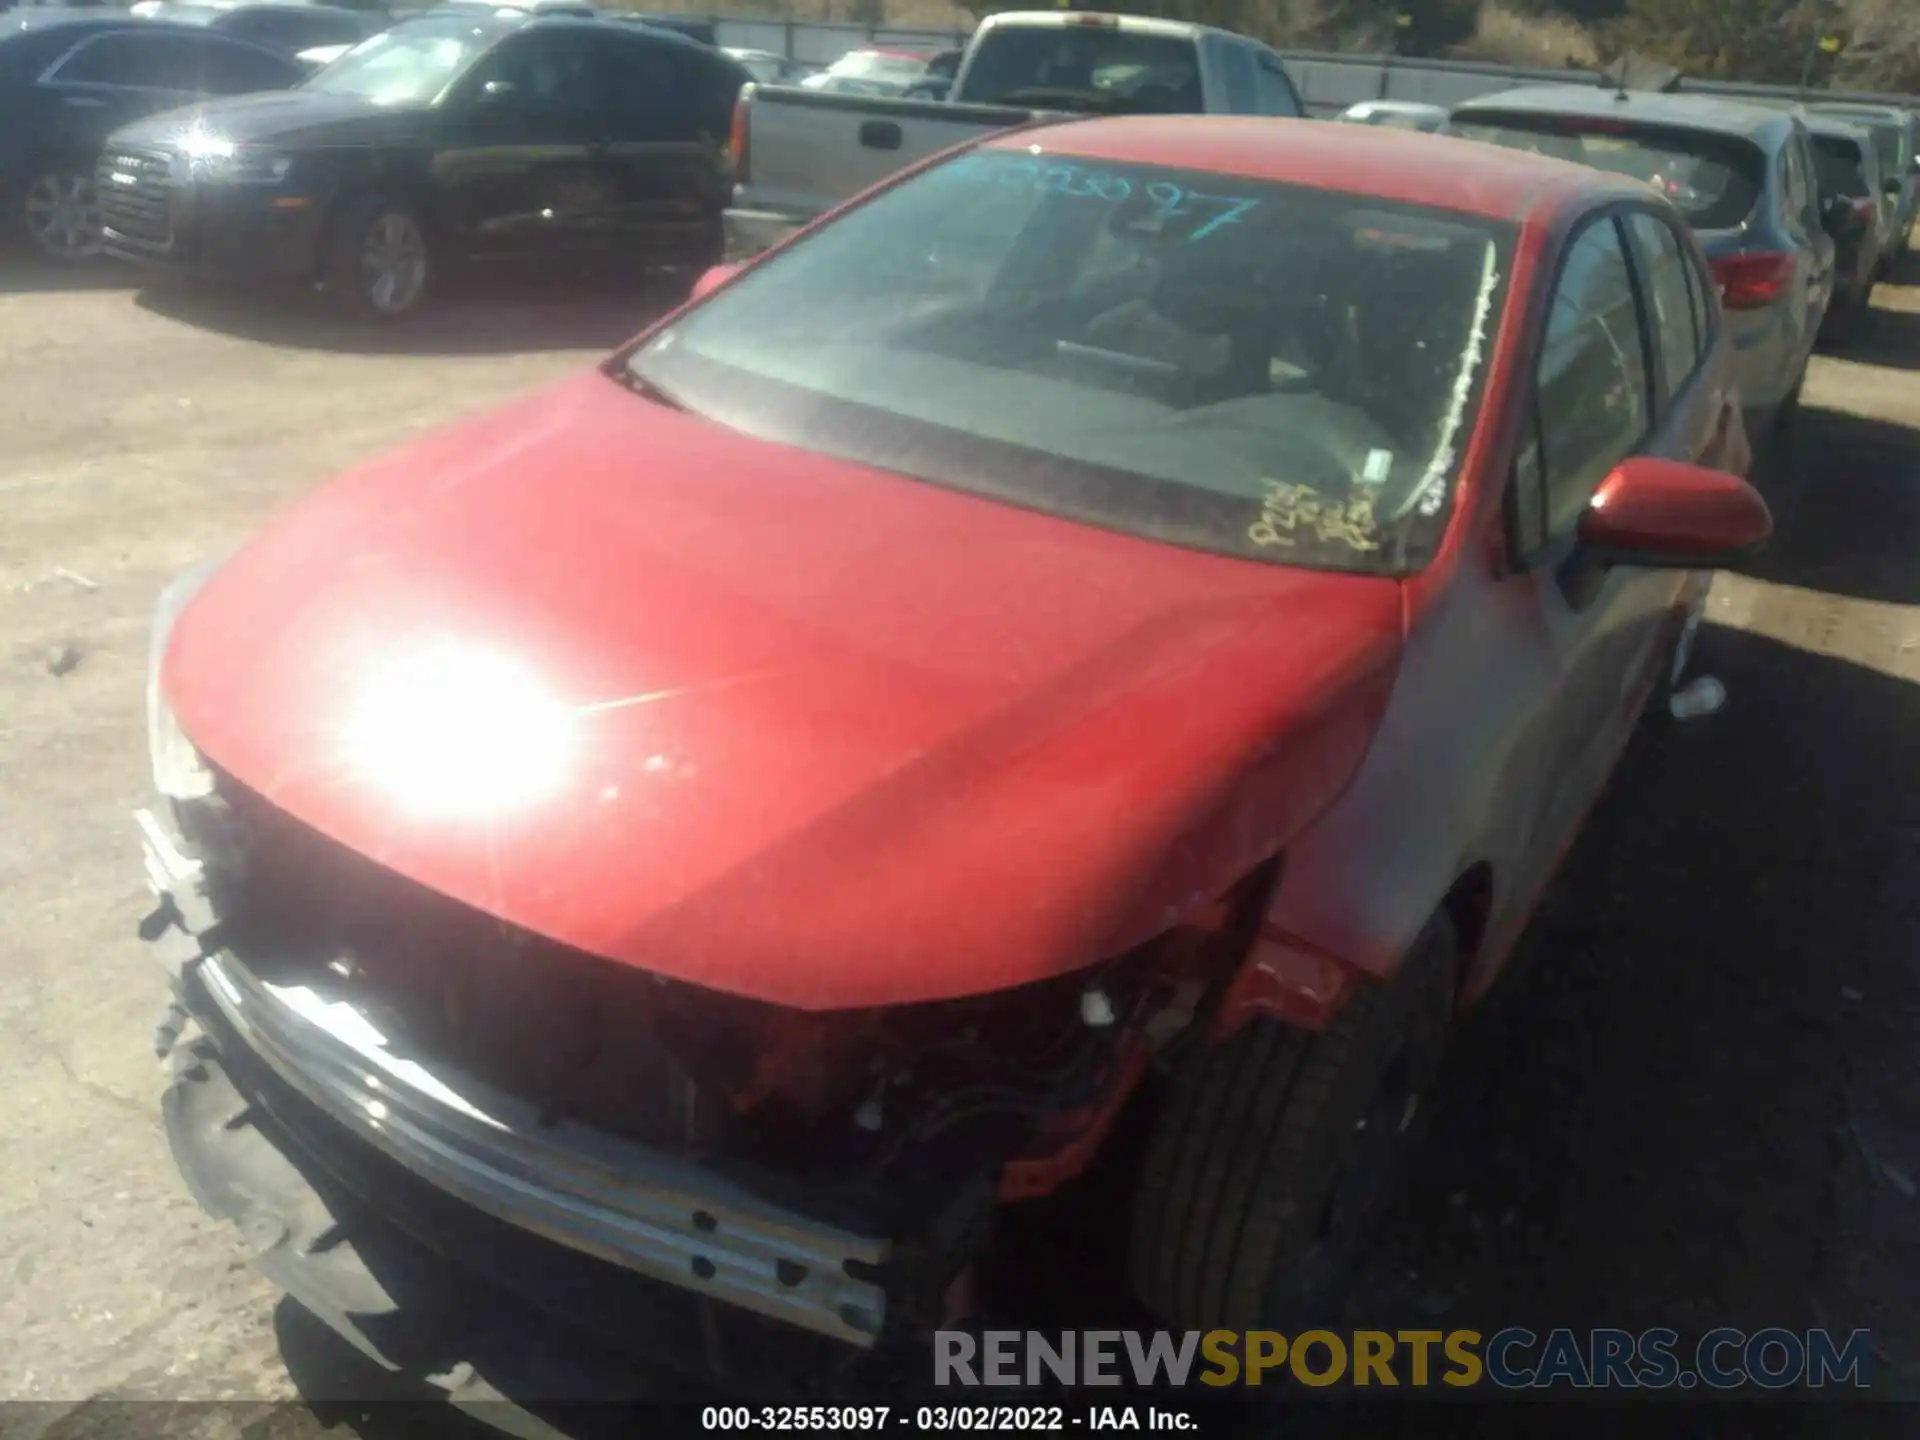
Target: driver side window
538,87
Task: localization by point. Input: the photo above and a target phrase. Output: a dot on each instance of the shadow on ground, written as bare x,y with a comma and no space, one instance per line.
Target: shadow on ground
490,316
1849,523
1887,338
22,273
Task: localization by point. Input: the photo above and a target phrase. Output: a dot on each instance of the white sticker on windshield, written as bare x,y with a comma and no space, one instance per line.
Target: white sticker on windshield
1378,467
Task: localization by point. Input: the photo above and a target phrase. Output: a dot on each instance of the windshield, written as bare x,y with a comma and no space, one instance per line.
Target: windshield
409,64
1715,180
1262,370
1106,67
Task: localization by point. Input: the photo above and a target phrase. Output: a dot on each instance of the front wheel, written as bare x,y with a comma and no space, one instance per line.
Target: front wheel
61,212
379,262
1276,1153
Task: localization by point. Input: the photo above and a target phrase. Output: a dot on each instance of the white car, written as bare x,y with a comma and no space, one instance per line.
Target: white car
767,67
872,72
1396,114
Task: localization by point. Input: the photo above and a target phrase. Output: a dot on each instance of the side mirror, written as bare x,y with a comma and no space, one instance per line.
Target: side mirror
1671,515
1838,217
712,278
1895,185
494,91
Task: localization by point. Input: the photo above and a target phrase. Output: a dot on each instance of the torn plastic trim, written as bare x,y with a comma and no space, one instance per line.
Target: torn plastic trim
180,772
623,1203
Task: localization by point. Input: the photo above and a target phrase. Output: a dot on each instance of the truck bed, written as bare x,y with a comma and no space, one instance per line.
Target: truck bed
809,150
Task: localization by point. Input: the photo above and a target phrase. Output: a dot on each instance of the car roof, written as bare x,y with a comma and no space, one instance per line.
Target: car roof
1822,122
76,23
1693,112
12,22
1439,171
1865,109
1102,20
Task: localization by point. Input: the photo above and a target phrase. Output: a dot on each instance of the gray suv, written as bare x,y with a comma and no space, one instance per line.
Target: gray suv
1744,177
1893,143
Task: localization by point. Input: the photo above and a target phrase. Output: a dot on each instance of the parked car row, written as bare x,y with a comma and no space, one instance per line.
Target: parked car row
451,139
69,79
474,132
1799,207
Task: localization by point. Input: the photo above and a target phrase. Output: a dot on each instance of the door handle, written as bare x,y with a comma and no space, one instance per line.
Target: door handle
880,135
83,102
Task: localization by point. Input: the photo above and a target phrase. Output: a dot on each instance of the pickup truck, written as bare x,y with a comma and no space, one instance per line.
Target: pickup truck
798,153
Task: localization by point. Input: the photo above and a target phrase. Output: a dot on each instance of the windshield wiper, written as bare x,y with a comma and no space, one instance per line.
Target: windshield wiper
641,385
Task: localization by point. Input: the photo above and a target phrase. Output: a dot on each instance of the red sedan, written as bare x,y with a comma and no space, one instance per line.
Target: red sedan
1112,628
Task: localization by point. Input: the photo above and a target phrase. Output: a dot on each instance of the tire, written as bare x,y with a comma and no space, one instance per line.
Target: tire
60,213
1275,1152
379,262
1845,326
1789,410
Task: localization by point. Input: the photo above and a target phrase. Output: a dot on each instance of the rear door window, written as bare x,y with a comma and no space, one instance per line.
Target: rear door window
1277,95
1664,263
646,91
128,59
1242,85
1843,169
235,69
1100,68
1715,180
1592,378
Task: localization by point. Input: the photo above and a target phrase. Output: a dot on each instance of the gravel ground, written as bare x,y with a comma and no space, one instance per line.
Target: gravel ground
1692,1106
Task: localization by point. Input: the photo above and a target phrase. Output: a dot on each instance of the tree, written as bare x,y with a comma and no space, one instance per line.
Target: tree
1883,47
1770,41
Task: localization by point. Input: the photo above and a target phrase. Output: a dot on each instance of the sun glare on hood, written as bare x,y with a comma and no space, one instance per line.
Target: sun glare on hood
457,733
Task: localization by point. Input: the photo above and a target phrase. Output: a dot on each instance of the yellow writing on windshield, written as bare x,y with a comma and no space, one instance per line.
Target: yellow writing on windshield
1289,510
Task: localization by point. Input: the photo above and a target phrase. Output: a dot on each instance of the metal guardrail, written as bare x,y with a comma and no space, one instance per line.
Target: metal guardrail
1328,81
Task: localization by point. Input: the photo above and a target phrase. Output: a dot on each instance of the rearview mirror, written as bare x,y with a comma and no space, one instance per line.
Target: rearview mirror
712,278
495,91
1668,514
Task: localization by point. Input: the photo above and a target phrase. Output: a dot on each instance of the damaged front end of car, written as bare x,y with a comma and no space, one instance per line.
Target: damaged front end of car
830,1171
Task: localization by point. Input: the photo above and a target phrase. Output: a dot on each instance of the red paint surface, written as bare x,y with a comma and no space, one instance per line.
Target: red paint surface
1665,507
912,744
1419,169
908,744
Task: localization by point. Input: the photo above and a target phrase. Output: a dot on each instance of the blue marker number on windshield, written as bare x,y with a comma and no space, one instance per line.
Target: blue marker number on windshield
1167,200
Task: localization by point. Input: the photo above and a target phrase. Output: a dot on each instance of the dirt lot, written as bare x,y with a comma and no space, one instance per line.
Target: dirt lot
1694,1107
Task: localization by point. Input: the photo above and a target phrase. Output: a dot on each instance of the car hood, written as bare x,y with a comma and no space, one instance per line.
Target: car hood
285,119
768,721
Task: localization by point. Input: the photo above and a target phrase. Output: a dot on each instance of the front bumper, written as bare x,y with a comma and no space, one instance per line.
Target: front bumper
240,232
346,1090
